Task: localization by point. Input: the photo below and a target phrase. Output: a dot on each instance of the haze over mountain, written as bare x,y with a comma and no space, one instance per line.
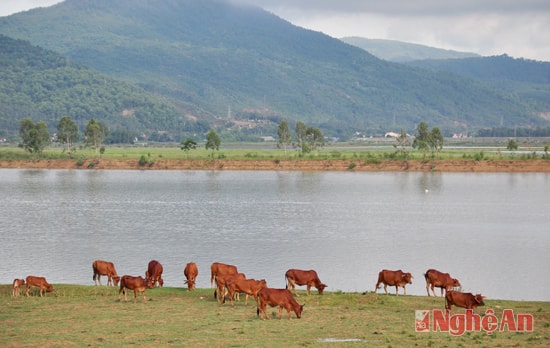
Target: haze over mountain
398,51
217,62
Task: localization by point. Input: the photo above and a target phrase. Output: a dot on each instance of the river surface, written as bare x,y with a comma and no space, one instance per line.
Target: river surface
491,231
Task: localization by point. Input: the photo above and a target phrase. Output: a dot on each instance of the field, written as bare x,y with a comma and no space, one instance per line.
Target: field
75,315
375,156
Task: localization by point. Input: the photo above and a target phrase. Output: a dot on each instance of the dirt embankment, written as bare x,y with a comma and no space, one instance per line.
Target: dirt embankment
489,166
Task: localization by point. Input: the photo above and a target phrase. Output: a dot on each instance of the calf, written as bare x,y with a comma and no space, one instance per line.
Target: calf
394,278
221,288
17,284
277,297
463,299
246,286
39,282
107,268
138,284
218,268
299,277
154,271
191,272
435,278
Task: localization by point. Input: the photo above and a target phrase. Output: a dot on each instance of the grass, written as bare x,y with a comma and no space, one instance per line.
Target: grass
369,153
75,315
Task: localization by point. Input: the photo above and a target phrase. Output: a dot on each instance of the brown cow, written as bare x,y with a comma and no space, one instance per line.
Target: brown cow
221,281
154,272
191,272
218,268
244,286
39,282
463,299
435,278
138,284
107,268
309,278
17,284
394,278
278,297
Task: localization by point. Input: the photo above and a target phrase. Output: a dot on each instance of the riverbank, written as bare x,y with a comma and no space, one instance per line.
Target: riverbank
483,166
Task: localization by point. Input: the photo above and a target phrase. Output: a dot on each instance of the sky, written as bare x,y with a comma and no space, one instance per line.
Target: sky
519,28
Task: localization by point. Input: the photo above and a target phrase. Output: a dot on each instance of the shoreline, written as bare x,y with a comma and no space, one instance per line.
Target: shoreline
459,166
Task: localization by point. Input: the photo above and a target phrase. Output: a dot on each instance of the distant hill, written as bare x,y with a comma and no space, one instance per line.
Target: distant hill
398,51
221,63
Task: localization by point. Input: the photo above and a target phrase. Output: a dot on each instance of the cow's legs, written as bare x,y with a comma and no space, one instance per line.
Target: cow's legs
385,288
396,290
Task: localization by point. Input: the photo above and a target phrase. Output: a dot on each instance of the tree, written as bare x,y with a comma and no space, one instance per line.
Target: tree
436,139
35,137
402,144
95,133
188,144
300,130
422,139
285,138
212,141
68,132
314,138
512,145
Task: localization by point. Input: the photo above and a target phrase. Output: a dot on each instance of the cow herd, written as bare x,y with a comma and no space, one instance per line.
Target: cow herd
229,283
434,279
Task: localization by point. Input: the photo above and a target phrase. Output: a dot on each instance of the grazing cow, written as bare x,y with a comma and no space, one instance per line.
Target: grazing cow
218,268
191,272
278,297
39,282
107,268
394,278
138,284
221,288
17,284
154,272
309,278
245,286
463,299
435,278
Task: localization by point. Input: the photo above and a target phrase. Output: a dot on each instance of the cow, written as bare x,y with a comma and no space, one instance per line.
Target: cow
444,281
191,272
278,297
39,282
218,268
394,278
245,286
107,268
138,284
463,299
16,288
221,289
299,277
154,272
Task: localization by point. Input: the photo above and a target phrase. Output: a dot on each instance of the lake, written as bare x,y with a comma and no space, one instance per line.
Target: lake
491,231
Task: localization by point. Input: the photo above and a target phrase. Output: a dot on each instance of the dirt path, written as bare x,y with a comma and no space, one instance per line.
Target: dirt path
490,166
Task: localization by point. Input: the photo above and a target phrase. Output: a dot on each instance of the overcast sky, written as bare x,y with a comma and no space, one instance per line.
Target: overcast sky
519,28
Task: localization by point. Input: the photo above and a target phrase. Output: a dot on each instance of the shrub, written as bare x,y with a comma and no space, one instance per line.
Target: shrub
142,160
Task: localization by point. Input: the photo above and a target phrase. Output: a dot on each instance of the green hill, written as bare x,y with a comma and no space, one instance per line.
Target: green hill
220,63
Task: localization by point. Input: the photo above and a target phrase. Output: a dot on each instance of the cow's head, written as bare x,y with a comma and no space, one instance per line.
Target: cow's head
321,287
407,277
479,300
190,284
456,283
149,283
49,287
116,279
299,310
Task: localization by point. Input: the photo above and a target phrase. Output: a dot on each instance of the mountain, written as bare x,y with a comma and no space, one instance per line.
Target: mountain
221,64
398,51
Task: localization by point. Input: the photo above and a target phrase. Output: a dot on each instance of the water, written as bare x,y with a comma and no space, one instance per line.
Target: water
491,231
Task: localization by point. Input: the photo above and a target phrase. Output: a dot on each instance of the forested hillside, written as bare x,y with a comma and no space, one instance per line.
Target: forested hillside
220,63
45,86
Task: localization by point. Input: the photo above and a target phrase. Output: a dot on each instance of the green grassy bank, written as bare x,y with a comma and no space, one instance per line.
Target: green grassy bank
79,316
